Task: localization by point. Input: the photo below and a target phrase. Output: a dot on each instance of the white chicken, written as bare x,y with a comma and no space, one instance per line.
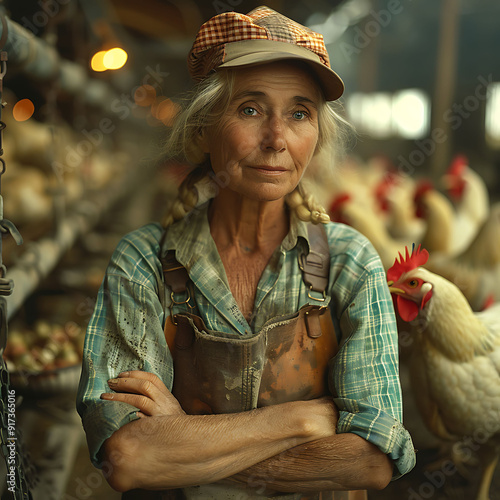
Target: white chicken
470,195
437,211
345,209
395,194
455,360
476,271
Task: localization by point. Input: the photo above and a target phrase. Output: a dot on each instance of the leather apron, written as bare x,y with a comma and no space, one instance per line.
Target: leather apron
216,372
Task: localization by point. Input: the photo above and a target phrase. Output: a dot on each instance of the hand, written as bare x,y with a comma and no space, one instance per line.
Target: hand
323,415
145,391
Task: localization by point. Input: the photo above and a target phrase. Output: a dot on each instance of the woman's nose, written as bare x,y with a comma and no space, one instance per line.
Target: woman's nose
274,135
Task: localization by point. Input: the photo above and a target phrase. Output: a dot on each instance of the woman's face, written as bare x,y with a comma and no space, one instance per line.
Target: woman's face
264,142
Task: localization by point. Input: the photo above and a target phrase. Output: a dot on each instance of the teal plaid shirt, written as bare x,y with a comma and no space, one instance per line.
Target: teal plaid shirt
126,329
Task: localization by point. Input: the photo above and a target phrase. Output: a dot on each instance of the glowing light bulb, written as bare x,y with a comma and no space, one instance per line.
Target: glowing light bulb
115,58
97,62
23,110
166,112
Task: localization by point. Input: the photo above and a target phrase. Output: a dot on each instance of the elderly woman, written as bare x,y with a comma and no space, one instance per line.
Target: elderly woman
219,333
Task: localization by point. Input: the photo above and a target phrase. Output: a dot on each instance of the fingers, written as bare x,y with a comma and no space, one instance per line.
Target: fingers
151,377
140,389
145,391
146,406
135,386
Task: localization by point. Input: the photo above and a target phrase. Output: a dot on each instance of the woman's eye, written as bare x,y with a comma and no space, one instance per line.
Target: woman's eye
299,115
249,111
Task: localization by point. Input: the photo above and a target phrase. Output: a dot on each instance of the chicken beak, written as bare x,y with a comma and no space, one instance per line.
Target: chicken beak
394,289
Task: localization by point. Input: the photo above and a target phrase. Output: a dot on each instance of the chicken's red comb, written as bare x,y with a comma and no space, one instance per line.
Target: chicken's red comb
339,201
408,263
458,165
423,186
383,188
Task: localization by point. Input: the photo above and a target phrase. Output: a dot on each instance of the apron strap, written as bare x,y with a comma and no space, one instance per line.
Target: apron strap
175,274
315,265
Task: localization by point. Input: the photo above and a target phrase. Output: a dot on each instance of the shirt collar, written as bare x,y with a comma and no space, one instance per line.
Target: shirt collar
189,236
195,249
297,232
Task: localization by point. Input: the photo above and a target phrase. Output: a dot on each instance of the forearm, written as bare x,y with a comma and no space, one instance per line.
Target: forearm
182,450
339,462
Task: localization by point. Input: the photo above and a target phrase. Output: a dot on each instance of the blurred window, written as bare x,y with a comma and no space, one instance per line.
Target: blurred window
411,114
493,116
404,114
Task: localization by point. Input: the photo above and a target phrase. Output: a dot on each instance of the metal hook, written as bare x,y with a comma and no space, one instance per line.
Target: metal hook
8,226
184,301
175,302
315,298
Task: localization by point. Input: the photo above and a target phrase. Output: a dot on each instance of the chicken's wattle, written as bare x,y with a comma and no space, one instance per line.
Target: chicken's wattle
407,309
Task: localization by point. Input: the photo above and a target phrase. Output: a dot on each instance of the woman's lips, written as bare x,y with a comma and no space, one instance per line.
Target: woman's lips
269,169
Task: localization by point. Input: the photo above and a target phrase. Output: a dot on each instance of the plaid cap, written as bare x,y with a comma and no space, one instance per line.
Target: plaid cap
263,35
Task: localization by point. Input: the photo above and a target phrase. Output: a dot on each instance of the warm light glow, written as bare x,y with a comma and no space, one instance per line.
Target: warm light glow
145,95
155,106
166,112
115,58
23,110
97,62
493,116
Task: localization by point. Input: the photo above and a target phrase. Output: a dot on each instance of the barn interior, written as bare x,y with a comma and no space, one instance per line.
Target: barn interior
89,91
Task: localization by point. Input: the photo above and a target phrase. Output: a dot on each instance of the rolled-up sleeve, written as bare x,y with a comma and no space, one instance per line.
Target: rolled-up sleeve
124,333
364,375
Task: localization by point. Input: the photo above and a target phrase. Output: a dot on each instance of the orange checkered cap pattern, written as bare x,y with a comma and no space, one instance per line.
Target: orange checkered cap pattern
261,23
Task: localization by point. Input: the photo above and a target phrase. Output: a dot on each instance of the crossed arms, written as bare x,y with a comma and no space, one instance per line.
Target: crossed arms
287,447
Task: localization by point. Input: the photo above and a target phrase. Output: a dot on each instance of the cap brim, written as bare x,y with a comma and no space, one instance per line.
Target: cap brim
254,52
